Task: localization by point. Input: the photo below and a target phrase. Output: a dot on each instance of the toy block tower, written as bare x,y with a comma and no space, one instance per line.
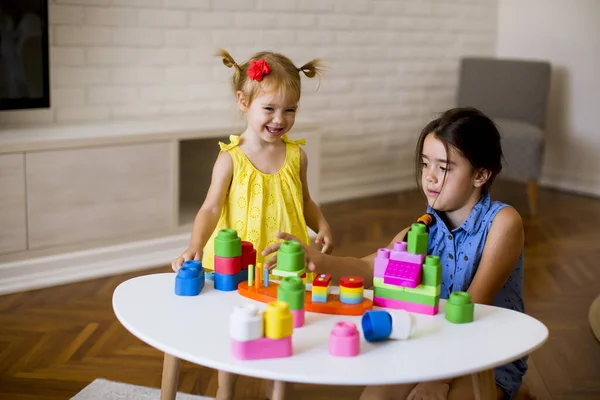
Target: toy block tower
228,260
249,341
292,291
405,277
290,260
351,289
320,288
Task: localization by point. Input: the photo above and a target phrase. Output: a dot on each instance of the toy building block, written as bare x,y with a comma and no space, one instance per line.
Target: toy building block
250,275
351,289
293,292
258,271
278,320
266,277
344,340
290,260
228,265
310,277
381,262
320,288
432,271
226,282
389,293
246,330
189,280
248,254
400,253
417,239
460,308
401,273
246,323
209,275
382,325
228,244
405,305
228,260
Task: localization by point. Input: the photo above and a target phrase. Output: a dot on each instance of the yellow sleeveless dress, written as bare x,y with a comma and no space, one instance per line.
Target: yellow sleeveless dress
259,205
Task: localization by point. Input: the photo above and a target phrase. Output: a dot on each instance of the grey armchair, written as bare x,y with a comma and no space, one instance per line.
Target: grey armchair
514,94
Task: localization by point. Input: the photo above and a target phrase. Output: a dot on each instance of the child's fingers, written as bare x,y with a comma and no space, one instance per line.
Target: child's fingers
288,236
312,267
272,248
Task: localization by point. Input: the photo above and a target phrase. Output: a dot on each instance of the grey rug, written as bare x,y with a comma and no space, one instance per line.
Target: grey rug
102,389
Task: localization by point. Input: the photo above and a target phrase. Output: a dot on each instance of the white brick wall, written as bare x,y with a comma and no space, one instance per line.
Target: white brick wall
391,64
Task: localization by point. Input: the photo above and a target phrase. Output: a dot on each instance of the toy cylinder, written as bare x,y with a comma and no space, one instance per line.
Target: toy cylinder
344,340
298,318
278,320
431,271
250,275
403,324
246,323
292,291
290,256
376,325
460,308
351,289
228,243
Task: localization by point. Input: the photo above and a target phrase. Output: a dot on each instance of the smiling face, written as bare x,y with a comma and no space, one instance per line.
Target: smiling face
448,179
271,114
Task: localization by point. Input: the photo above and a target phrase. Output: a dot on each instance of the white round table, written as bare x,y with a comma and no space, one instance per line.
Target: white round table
196,329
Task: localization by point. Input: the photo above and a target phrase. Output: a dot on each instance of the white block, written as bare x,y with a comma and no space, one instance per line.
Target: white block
403,324
246,323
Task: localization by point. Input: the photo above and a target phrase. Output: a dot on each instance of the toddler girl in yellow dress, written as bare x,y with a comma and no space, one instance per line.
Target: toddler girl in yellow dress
259,185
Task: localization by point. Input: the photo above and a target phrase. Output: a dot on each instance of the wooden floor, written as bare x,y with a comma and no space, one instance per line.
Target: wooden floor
53,342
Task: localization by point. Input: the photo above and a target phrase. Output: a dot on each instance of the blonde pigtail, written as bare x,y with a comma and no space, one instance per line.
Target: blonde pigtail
312,68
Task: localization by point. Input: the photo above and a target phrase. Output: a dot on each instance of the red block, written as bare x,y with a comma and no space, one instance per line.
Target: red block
228,265
248,255
352,282
322,280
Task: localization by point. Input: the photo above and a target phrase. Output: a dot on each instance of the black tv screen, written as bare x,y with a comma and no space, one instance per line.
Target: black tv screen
24,65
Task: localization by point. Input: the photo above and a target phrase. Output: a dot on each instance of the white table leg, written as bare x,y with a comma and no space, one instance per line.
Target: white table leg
170,377
484,385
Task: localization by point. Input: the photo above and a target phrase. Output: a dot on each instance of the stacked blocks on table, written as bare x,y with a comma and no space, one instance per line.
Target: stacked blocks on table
290,260
255,336
460,308
320,288
378,325
189,280
351,289
344,340
292,291
228,271
405,277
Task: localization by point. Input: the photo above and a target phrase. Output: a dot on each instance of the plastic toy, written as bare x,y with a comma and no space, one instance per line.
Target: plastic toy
189,280
344,340
290,260
320,288
405,277
293,292
460,308
248,339
248,255
228,261
351,289
382,325
265,277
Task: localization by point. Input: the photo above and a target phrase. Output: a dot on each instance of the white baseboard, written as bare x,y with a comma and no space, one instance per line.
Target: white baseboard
41,272
571,181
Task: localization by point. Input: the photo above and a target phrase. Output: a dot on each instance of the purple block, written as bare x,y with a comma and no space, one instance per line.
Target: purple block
400,273
399,253
381,262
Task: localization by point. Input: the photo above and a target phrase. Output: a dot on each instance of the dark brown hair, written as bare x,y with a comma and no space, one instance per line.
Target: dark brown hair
470,132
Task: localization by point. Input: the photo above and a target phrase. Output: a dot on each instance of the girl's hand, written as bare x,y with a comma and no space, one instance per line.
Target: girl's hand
310,254
324,238
430,391
189,254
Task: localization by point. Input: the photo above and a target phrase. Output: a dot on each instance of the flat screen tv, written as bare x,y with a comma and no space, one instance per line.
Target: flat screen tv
24,65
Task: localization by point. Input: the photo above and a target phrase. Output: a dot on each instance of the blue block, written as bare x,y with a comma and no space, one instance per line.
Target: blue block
190,279
210,275
319,299
376,325
351,300
226,282
243,275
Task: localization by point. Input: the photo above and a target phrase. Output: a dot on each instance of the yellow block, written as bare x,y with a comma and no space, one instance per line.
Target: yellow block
310,277
278,320
358,290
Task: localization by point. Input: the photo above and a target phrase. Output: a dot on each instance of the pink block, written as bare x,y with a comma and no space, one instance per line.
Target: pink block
298,318
344,340
381,262
399,253
262,348
227,265
405,305
400,273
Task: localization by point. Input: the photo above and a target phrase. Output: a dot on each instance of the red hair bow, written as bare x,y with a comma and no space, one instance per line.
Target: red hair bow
258,69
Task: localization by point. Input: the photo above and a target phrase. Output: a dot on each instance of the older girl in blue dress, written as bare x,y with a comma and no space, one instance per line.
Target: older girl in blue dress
480,241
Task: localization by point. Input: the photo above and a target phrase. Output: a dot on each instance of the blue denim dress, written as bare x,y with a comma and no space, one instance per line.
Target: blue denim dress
460,252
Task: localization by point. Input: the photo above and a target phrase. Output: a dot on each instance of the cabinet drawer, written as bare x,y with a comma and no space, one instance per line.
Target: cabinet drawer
13,236
85,194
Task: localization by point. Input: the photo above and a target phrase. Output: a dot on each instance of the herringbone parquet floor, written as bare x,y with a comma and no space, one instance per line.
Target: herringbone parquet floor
53,342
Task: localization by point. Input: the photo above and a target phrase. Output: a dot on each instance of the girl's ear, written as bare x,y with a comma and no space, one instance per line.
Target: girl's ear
482,175
242,101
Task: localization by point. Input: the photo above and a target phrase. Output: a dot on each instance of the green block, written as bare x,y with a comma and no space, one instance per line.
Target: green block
290,257
228,244
352,295
431,291
460,308
292,291
432,271
406,296
417,239
278,272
